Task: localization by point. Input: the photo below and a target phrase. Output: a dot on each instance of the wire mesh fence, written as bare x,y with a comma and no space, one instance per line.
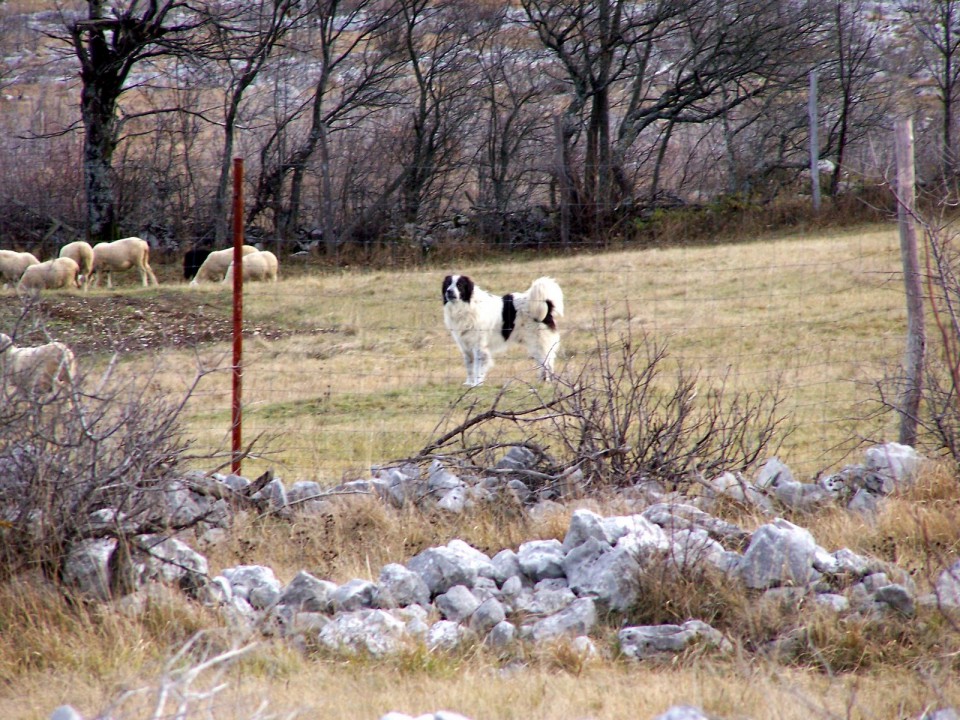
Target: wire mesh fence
350,370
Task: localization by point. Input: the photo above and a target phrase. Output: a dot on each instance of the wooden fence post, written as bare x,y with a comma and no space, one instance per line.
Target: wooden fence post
814,142
909,401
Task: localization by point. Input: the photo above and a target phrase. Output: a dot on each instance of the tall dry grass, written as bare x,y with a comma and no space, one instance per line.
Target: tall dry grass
364,371
52,651
364,368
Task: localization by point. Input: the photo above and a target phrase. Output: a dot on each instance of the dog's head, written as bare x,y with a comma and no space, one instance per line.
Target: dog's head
457,287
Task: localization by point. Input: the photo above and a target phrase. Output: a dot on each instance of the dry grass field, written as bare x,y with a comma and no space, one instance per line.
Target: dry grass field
348,369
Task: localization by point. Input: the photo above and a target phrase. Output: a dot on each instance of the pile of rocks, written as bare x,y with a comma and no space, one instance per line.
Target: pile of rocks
544,590
859,487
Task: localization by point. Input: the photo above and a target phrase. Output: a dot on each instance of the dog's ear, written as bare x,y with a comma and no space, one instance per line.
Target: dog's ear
465,286
443,290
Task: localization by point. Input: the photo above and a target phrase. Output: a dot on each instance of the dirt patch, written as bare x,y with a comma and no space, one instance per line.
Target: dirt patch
124,323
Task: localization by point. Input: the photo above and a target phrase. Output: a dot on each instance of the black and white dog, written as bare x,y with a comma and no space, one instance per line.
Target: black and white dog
483,324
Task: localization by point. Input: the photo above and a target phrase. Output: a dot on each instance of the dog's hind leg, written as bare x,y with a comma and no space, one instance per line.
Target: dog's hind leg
543,348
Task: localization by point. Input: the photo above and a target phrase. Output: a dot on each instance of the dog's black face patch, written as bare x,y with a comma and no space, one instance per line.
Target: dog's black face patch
465,288
457,287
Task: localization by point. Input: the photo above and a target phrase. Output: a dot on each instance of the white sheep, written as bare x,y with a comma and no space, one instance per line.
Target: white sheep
260,265
13,264
37,370
121,255
82,253
50,275
214,268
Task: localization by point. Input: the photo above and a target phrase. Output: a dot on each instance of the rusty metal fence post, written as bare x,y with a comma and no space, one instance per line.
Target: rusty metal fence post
237,410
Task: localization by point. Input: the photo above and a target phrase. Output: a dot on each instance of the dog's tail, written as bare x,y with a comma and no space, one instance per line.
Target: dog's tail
545,300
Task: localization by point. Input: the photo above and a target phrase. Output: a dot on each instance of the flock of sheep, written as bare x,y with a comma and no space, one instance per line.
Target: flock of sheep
217,266
41,371
80,265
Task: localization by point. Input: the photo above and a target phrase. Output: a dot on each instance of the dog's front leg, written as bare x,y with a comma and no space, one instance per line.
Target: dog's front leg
475,367
469,364
483,362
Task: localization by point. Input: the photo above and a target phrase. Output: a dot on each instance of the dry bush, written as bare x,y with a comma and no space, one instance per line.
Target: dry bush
736,217
92,460
870,642
624,421
359,534
191,683
939,420
630,414
670,594
54,633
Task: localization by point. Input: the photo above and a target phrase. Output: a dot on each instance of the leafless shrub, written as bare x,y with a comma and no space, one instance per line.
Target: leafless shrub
939,413
629,414
191,685
625,417
92,460
943,366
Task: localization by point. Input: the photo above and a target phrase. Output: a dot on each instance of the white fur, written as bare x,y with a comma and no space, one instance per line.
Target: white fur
477,325
80,252
42,369
121,255
13,264
214,268
261,265
50,275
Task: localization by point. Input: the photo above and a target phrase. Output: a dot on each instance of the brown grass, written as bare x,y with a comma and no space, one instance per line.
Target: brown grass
356,380
859,668
364,369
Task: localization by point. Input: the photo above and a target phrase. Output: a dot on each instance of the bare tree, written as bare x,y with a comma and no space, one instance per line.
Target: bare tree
243,45
351,75
110,43
433,40
857,100
515,126
936,26
673,62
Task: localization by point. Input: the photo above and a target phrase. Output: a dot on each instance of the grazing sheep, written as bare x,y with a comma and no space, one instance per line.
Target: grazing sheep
13,264
121,255
36,370
82,252
50,275
260,265
214,268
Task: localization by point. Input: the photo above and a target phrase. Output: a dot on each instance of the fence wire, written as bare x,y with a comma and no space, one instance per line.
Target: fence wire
365,371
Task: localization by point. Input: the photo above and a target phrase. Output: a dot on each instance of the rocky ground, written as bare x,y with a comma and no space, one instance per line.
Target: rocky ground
454,596
120,322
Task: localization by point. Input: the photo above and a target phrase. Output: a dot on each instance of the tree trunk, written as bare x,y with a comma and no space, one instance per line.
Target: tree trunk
98,102
327,226
221,219
563,178
98,146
